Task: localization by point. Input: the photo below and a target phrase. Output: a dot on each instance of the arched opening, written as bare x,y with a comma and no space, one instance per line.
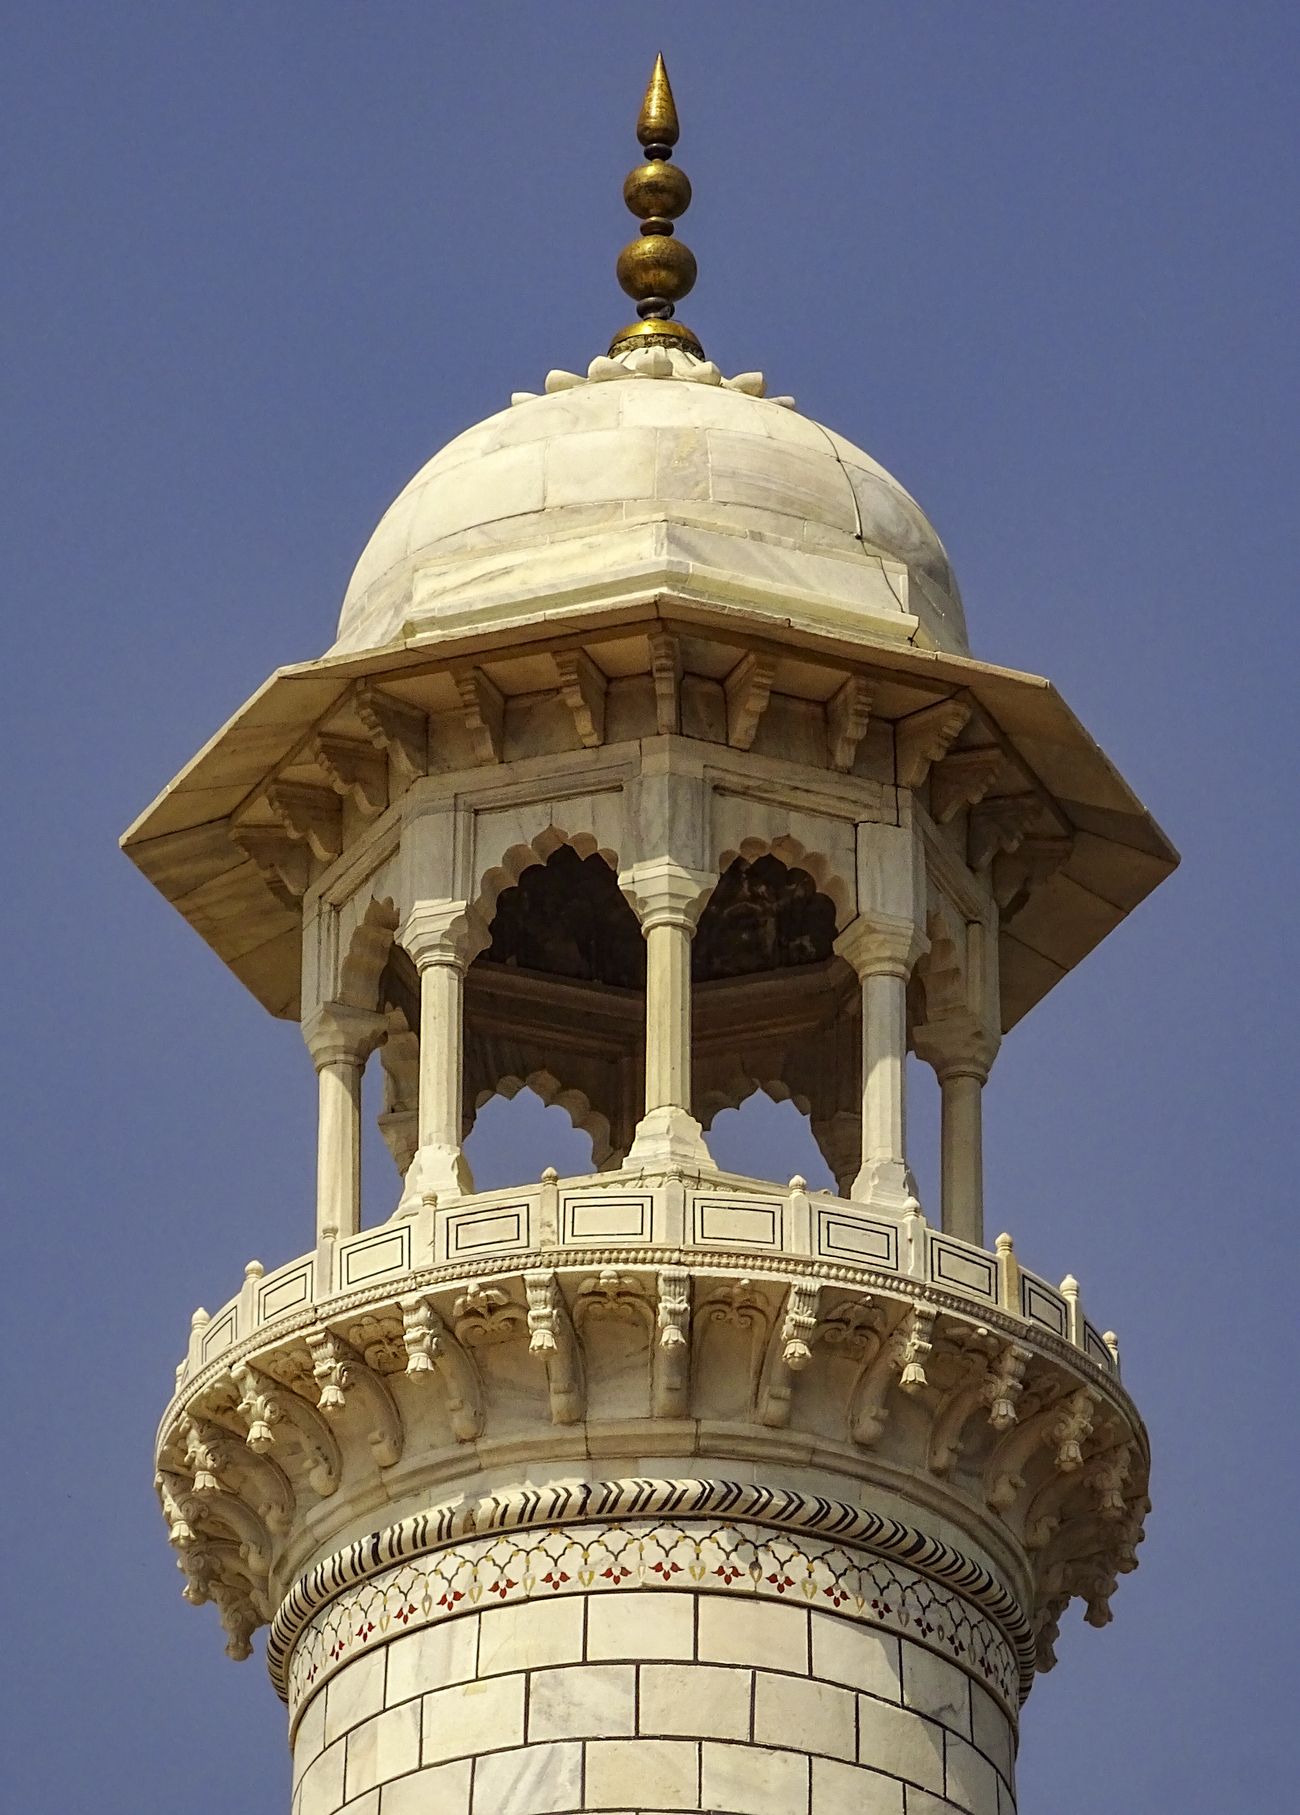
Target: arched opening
772,1002
762,1138
762,916
555,1012
516,1136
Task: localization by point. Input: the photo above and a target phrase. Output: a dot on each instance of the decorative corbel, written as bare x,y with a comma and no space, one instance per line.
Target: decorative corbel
962,779
484,1315
1099,1486
903,1354
748,688
854,1329
248,1531
670,1391
925,737
211,1569
431,1348
582,688
284,862
221,1462
399,730
848,713
611,1294
483,710
956,1407
1063,1426
342,1376
789,1352
551,1336
310,812
267,1407
353,768
1000,826
666,673
1018,874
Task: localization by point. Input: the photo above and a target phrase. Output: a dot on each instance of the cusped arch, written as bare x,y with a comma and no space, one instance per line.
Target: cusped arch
368,953
579,1108
738,1086
787,849
505,873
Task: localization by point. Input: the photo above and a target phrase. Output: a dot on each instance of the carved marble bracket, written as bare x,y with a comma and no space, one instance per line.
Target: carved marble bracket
666,673
901,1356
268,1409
925,737
483,710
789,1352
748,688
962,779
1000,827
311,813
670,1381
551,1337
431,1348
399,730
344,1378
284,862
848,713
354,770
582,688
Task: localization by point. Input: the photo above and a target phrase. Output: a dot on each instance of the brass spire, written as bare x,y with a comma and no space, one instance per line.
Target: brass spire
657,270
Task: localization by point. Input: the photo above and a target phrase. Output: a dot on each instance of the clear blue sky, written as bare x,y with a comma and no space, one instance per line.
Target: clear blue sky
262,259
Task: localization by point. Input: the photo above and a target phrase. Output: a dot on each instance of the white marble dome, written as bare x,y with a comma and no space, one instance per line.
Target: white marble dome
633,478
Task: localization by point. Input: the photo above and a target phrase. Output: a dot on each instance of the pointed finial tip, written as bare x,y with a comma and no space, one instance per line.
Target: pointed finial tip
657,122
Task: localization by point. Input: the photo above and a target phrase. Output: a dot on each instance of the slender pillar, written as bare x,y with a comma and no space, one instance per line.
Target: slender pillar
340,1038
882,951
961,1053
668,899
441,937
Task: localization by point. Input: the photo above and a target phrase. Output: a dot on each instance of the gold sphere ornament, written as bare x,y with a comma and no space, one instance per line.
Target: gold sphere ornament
656,266
657,190
657,270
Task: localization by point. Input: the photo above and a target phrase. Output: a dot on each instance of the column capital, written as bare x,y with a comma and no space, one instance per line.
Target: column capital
443,932
882,945
339,1033
959,1046
662,892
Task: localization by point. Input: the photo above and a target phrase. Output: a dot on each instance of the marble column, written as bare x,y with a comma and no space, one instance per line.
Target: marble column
883,951
668,900
441,937
961,1053
340,1039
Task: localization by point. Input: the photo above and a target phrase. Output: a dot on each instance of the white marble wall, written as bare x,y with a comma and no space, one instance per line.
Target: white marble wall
642,1703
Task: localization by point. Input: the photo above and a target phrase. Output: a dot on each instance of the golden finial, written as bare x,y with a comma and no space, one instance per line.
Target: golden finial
657,270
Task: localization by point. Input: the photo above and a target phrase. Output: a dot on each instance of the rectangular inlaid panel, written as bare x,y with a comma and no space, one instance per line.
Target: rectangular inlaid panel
731,1222
953,1264
283,1291
502,1228
221,1334
847,1235
1041,1305
601,1217
1096,1348
371,1256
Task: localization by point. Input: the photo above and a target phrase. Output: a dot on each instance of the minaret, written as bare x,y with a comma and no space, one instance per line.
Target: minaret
651,767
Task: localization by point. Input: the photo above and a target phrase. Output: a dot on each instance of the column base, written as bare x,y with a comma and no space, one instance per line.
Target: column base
438,1172
886,1185
670,1137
